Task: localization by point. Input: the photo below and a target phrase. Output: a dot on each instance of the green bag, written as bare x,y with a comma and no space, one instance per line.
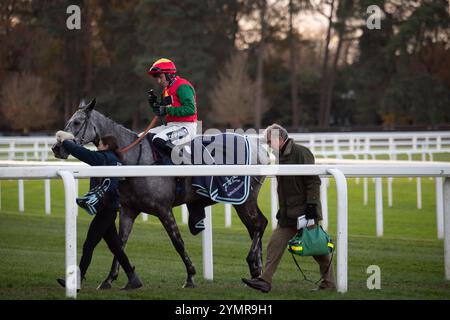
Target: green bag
311,242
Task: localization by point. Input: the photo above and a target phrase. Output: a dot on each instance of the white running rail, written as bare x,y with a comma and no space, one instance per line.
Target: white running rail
339,172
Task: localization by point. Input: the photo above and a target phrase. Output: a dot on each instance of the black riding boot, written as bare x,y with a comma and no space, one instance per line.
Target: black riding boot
164,148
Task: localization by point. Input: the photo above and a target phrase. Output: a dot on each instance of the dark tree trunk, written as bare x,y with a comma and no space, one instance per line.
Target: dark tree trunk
293,65
331,78
262,4
89,11
343,11
324,81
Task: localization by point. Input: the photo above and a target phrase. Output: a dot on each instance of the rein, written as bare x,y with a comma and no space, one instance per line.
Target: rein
123,150
134,143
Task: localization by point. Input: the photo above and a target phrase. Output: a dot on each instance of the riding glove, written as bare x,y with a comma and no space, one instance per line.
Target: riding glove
159,110
152,98
311,211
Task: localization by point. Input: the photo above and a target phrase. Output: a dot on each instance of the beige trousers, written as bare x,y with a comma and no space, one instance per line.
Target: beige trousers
278,245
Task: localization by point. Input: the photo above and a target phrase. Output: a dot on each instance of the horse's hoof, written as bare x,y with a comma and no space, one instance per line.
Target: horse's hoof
105,285
188,285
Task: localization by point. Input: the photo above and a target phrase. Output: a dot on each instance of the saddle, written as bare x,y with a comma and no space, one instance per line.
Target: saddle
221,149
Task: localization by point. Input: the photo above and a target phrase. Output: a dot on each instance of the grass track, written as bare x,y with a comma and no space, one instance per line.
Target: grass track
409,254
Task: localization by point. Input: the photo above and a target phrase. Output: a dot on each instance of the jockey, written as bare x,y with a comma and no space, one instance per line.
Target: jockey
178,107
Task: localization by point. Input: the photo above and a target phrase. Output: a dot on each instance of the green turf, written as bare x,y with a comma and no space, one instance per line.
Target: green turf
409,254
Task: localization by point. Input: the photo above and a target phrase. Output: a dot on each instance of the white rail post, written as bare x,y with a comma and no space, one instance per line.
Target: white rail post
419,193
324,201
11,152
366,147
357,178
447,227
311,144
440,207
409,159
273,201
45,152
390,192
184,214
366,183
72,271
336,145
21,196
379,206
47,192
424,156
391,145
47,196
342,230
207,246
36,150
227,215
366,190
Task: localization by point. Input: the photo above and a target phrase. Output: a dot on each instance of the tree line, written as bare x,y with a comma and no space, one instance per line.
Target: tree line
252,62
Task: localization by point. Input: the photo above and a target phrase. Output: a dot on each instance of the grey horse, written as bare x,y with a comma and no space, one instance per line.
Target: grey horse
137,194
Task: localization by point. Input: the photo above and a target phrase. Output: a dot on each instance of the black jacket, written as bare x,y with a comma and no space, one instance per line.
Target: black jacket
97,158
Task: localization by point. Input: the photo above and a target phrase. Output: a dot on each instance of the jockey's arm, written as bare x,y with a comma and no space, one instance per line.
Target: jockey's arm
187,98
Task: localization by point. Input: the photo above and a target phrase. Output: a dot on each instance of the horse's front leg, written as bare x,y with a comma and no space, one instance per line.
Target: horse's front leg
168,221
126,222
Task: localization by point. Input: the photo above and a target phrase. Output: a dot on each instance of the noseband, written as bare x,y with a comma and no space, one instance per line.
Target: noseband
84,129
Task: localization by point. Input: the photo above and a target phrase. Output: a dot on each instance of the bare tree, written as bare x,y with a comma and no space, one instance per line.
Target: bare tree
262,7
323,117
295,105
27,102
232,105
341,14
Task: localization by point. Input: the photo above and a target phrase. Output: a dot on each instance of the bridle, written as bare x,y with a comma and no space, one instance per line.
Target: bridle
84,127
97,139
123,150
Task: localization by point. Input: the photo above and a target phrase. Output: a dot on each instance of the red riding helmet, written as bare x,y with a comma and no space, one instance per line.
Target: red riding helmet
162,66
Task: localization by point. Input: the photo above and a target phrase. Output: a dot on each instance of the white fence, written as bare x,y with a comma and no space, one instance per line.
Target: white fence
339,172
273,190
361,143
358,144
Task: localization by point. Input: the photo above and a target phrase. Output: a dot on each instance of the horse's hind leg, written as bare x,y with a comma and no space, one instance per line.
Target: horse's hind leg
126,222
169,223
255,222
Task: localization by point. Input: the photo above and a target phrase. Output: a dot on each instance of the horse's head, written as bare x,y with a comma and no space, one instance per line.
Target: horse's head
81,126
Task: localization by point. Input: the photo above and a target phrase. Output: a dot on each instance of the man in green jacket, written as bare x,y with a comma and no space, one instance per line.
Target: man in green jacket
298,195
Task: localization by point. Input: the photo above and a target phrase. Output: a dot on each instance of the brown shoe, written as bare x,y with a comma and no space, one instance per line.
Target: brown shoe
323,288
258,284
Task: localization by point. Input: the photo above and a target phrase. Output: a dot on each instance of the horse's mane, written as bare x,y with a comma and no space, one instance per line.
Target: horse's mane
115,124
